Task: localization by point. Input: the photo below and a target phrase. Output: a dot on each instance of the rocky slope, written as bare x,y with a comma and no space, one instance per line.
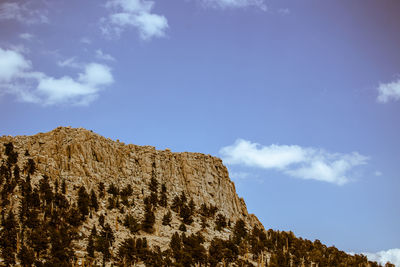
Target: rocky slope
81,157
145,207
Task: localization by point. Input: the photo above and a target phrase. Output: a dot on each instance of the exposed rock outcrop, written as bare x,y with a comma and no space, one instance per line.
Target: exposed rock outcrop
82,157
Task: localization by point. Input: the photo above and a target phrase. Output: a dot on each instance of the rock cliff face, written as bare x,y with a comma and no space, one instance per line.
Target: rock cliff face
82,157
150,208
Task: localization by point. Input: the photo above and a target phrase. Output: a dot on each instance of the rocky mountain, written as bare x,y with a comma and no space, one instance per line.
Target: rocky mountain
73,197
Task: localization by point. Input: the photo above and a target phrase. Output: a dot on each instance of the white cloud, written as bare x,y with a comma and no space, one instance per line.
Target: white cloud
389,91
26,36
18,78
251,154
382,257
224,4
96,74
102,56
11,65
296,161
23,12
137,14
378,173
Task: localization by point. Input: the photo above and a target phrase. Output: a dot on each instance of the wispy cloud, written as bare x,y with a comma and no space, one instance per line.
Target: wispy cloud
134,13
18,78
86,40
22,49
26,36
239,175
230,4
284,11
382,257
23,11
293,160
71,63
102,56
389,91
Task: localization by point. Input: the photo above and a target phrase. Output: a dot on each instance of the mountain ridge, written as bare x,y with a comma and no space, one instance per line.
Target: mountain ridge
152,208
62,142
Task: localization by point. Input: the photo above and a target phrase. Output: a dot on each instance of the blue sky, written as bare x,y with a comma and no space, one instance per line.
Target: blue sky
301,99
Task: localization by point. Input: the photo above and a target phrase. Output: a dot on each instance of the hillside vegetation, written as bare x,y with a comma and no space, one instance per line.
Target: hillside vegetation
56,210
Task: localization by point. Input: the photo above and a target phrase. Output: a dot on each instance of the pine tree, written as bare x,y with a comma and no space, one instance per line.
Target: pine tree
74,216
90,247
131,223
194,252
26,186
222,250
35,199
104,241
101,220
239,231
26,256
56,186
127,252
113,190
12,156
16,173
127,191
93,232
186,214
183,198
176,204
83,202
61,201
32,221
39,240
61,250
153,199
8,239
111,203
167,218
9,148
153,185
31,166
101,190
125,194
45,190
220,222
149,219
63,187
3,173
93,200
176,246
163,201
